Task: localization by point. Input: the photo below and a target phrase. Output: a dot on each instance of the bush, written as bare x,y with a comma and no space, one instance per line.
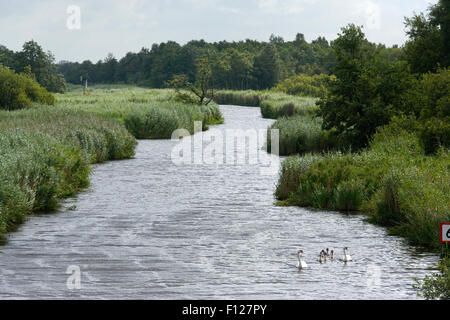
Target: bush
305,86
18,91
434,134
436,286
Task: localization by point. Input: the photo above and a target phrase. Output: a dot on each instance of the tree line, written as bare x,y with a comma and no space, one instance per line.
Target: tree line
239,65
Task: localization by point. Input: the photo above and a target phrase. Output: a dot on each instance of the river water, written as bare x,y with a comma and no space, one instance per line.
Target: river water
148,229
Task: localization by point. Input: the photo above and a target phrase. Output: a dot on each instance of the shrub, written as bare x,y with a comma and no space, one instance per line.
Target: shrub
152,123
434,134
305,86
18,91
436,286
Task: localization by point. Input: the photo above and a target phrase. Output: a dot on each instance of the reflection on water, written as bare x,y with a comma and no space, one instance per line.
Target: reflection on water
148,229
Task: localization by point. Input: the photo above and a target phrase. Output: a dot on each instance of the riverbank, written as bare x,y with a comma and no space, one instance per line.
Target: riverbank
393,182
46,151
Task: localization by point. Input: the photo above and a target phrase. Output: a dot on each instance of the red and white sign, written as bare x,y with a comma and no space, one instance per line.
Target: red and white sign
445,232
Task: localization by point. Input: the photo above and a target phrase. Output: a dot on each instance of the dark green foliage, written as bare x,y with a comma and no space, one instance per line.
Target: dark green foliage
239,65
434,134
267,67
42,66
368,91
18,91
429,39
429,99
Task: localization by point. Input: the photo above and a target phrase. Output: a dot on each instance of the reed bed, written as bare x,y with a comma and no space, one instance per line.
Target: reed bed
302,134
146,113
273,104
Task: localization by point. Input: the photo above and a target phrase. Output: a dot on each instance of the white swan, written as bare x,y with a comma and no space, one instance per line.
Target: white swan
346,257
301,264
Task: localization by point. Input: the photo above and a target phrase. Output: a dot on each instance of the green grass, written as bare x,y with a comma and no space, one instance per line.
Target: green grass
147,113
273,104
393,182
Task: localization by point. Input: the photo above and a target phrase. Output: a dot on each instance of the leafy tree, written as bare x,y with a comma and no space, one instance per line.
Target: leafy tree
429,98
42,65
369,89
429,44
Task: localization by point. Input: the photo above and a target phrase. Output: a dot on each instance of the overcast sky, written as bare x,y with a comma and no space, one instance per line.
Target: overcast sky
119,26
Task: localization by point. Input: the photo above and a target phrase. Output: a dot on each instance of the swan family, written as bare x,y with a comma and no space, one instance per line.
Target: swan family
323,257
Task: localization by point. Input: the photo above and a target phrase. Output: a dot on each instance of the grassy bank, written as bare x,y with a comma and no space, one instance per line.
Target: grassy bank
273,104
147,114
45,156
393,182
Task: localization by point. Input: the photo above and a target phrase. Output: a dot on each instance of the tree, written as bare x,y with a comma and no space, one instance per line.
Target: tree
202,88
369,89
266,67
429,39
42,65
